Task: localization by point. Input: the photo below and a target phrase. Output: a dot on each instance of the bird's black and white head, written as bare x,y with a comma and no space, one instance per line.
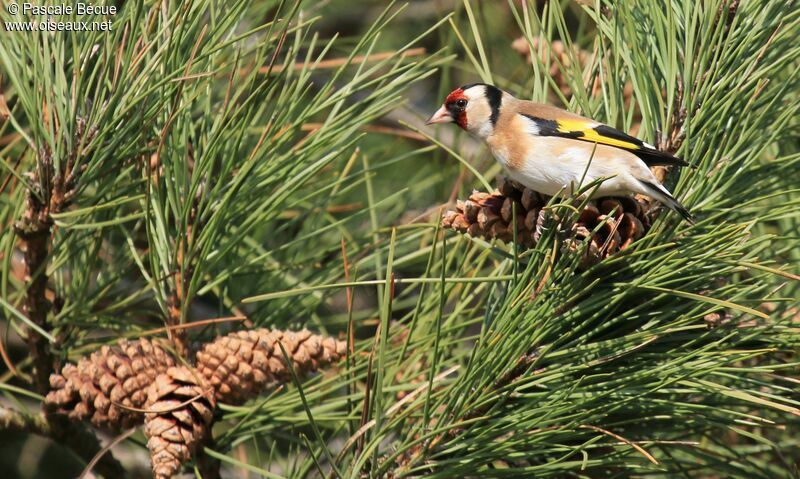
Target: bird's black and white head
474,107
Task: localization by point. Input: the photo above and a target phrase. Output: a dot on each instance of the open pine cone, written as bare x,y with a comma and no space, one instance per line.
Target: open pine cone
180,413
620,221
119,387
94,388
240,365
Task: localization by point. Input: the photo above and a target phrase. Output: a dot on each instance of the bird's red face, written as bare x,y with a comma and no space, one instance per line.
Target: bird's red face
453,110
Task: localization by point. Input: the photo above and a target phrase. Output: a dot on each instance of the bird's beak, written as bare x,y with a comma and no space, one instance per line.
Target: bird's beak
441,116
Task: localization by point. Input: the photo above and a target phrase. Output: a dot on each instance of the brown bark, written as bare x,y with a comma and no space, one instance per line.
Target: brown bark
35,232
51,192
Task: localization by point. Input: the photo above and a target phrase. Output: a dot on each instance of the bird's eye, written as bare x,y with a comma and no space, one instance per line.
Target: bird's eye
462,103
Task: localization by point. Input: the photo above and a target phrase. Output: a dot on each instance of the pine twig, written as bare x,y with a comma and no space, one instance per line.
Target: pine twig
53,192
35,230
520,366
176,300
515,372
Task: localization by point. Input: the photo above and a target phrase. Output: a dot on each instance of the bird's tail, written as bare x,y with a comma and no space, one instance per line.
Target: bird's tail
661,194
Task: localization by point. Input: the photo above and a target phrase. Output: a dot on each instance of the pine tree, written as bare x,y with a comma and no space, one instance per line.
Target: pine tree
219,245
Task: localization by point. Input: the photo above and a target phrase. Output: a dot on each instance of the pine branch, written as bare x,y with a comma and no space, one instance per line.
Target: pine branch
52,193
35,232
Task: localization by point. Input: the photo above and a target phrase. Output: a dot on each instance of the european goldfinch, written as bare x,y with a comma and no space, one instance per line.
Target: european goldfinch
552,151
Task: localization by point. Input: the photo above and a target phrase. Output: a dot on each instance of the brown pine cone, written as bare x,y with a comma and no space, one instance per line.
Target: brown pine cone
609,224
180,406
93,388
240,365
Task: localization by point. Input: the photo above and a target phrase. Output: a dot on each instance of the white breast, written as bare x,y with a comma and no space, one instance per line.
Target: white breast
553,165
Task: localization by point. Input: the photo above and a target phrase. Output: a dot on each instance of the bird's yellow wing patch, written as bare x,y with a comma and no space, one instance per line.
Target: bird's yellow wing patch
587,130
593,132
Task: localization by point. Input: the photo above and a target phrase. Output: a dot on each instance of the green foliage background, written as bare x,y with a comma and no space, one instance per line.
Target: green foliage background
220,148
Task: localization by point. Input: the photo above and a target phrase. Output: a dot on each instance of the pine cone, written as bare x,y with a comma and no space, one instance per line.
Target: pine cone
91,388
180,407
618,221
240,365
